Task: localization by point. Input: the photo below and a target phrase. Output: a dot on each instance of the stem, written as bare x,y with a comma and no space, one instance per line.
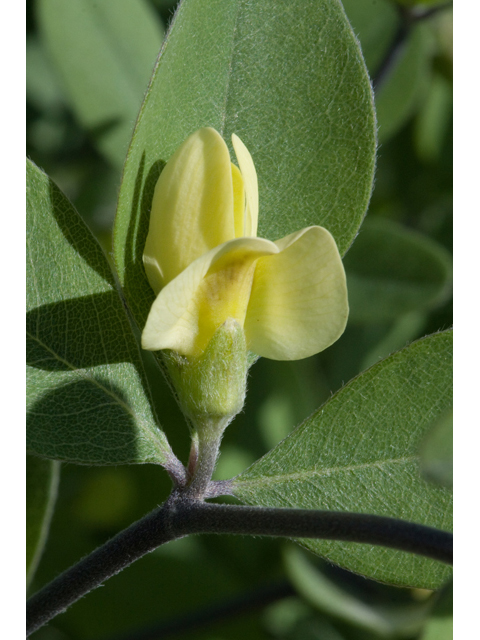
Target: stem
331,525
203,456
129,545
181,515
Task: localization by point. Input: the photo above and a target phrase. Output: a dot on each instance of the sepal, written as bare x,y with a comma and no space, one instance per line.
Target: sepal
211,388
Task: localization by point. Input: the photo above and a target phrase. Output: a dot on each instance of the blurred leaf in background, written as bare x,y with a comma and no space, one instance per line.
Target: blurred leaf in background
103,53
88,67
42,486
440,625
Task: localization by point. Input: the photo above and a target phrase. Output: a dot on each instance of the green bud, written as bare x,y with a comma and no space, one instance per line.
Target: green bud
211,388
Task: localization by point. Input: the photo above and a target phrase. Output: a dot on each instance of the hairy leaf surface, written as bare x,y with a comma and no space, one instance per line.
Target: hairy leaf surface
359,453
86,399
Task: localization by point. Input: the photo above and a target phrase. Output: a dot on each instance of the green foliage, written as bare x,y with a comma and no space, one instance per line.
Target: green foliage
103,53
433,118
440,626
391,619
421,3
392,271
86,399
359,453
289,78
401,92
42,482
221,67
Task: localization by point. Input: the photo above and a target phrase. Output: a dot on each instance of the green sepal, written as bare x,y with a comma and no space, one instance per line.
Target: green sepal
212,387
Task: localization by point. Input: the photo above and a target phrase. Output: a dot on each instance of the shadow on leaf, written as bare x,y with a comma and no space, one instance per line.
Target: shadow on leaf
78,235
85,422
77,333
137,289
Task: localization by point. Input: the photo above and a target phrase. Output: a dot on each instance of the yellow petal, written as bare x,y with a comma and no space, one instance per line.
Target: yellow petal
215,287
249,176
298,303
192,208
238,201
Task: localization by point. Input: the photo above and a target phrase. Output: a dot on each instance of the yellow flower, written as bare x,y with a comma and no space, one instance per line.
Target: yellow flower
206,265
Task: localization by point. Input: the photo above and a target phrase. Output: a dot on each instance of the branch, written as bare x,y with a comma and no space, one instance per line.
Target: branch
203,517
181,515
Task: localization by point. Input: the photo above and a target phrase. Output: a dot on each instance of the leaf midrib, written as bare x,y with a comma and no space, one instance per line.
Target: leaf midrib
307,475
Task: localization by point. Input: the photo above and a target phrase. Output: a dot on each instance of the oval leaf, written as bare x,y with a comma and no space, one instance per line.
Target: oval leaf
290,80
359,453
85,396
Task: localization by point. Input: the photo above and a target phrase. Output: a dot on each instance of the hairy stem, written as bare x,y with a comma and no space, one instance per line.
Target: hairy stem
183,515
203,460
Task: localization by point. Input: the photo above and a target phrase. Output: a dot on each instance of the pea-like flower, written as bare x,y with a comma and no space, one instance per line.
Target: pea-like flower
206,265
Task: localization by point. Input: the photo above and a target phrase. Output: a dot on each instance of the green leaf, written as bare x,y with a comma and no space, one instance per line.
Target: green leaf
433,119
376,22
436,451
104,53
392,270
399,96
440,625
43,89
425,3
290,80
42,482
358,453
86,400
397,619
402,331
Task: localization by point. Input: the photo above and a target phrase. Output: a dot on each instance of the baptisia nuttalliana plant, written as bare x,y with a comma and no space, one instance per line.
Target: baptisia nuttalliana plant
221,291
213,271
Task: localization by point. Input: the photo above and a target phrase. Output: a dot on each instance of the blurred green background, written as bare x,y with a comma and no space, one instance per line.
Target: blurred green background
81,110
